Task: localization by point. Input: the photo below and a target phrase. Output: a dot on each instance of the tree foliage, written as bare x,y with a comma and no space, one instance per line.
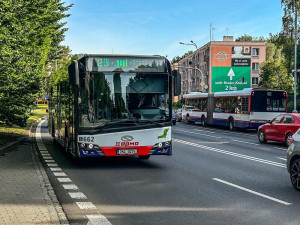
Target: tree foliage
30,34
247,37
176,59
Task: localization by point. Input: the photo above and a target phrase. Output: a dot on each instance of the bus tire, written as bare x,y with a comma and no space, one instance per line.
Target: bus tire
144,157
261,136
231,125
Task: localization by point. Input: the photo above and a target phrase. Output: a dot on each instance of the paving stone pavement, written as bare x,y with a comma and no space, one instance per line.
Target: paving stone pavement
26,196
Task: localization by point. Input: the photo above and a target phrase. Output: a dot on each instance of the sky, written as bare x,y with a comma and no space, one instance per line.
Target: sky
155,27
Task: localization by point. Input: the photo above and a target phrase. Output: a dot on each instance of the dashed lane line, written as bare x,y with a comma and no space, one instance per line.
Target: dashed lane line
85,205
252,192
245,142
230,153
281,158
64,180
77,195
206,135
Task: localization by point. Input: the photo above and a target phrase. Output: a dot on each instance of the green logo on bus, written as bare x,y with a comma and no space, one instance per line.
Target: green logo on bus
164,135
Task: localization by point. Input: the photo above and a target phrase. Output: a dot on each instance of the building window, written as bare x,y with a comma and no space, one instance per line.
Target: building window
255,51
255,66
254,80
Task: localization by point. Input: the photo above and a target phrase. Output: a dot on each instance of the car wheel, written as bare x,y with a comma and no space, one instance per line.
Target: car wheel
231,125
287,139
188,119
203,121
144,156
295,174
261,136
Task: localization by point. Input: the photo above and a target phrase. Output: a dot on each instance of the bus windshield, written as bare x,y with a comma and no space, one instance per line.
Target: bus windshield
122,99
268,101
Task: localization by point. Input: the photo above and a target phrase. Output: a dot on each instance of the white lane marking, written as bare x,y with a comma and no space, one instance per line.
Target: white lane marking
212,132
253,192
60,174
43,151
245,142
97,220
70,187
77,195
52,164
49,161
197,133
55,169
64,180
231,153
281,158
85,205
47,157
224,131
283,149
214,142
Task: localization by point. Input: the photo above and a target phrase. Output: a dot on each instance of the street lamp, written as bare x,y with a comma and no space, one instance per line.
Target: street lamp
192,43
295,66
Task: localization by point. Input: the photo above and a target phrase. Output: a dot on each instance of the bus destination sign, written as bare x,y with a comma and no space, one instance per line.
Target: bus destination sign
124,64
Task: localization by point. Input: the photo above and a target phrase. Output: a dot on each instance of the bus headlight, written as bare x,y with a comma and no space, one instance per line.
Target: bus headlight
91,146
82,145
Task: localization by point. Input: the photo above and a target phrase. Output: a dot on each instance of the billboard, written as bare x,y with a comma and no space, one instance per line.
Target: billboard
231,68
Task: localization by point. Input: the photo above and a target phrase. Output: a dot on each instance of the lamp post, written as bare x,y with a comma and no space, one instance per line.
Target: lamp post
295,66
192,43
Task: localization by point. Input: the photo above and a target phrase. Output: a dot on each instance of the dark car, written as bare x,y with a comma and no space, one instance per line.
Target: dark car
280,129
173,116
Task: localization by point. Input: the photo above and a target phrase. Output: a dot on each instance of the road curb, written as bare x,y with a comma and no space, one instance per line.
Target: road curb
54,207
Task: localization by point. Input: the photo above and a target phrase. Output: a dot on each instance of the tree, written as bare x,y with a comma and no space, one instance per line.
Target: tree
30,33
274,73
247,37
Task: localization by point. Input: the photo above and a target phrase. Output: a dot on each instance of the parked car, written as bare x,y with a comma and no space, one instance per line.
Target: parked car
293,160
280,129
185,112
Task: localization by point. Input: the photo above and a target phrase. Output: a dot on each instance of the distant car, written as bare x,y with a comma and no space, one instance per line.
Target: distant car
178,115
173,116
293,160
185,112
280,129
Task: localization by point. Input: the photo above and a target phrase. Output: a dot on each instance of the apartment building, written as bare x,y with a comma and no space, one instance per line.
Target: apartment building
223,66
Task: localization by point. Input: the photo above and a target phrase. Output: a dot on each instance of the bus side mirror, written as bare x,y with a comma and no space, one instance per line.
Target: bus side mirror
177,83
74,73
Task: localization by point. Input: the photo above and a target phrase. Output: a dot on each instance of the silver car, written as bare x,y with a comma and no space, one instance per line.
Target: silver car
293,160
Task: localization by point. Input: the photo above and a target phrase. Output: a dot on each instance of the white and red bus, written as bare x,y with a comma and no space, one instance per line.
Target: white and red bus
248,108
114,105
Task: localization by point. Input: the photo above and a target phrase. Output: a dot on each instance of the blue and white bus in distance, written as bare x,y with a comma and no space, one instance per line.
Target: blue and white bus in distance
248,108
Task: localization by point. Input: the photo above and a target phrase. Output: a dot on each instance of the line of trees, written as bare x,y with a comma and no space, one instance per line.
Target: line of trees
30,36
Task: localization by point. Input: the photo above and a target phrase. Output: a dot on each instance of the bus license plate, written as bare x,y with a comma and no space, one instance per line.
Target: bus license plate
126,151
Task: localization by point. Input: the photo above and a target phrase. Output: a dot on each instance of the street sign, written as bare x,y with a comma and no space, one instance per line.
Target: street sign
46,97
230,78
202,84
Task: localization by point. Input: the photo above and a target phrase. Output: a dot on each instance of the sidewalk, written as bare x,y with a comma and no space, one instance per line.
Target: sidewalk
26,195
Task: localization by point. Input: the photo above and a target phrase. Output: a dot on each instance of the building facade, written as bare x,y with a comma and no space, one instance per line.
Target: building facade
222,66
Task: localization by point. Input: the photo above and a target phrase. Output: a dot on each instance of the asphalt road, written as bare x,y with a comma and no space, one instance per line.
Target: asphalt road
215,176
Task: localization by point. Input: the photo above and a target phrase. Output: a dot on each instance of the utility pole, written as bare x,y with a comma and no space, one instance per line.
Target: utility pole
295,66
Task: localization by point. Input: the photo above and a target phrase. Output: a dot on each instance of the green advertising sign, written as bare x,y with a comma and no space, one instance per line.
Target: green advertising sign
230,78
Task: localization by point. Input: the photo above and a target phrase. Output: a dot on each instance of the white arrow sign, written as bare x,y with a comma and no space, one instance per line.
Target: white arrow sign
231,74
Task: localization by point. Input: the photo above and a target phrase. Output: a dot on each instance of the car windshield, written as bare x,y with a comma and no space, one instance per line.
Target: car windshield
122,97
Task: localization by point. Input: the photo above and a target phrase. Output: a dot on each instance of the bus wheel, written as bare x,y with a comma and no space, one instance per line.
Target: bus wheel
261,136
231,125
144,156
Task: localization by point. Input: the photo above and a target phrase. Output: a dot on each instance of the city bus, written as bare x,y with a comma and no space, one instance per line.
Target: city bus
247,108
115,105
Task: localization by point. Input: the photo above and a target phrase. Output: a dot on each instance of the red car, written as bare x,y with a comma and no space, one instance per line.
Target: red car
280,129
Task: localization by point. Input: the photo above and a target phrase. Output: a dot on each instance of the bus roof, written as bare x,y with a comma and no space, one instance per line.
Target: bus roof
244,92
85,55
